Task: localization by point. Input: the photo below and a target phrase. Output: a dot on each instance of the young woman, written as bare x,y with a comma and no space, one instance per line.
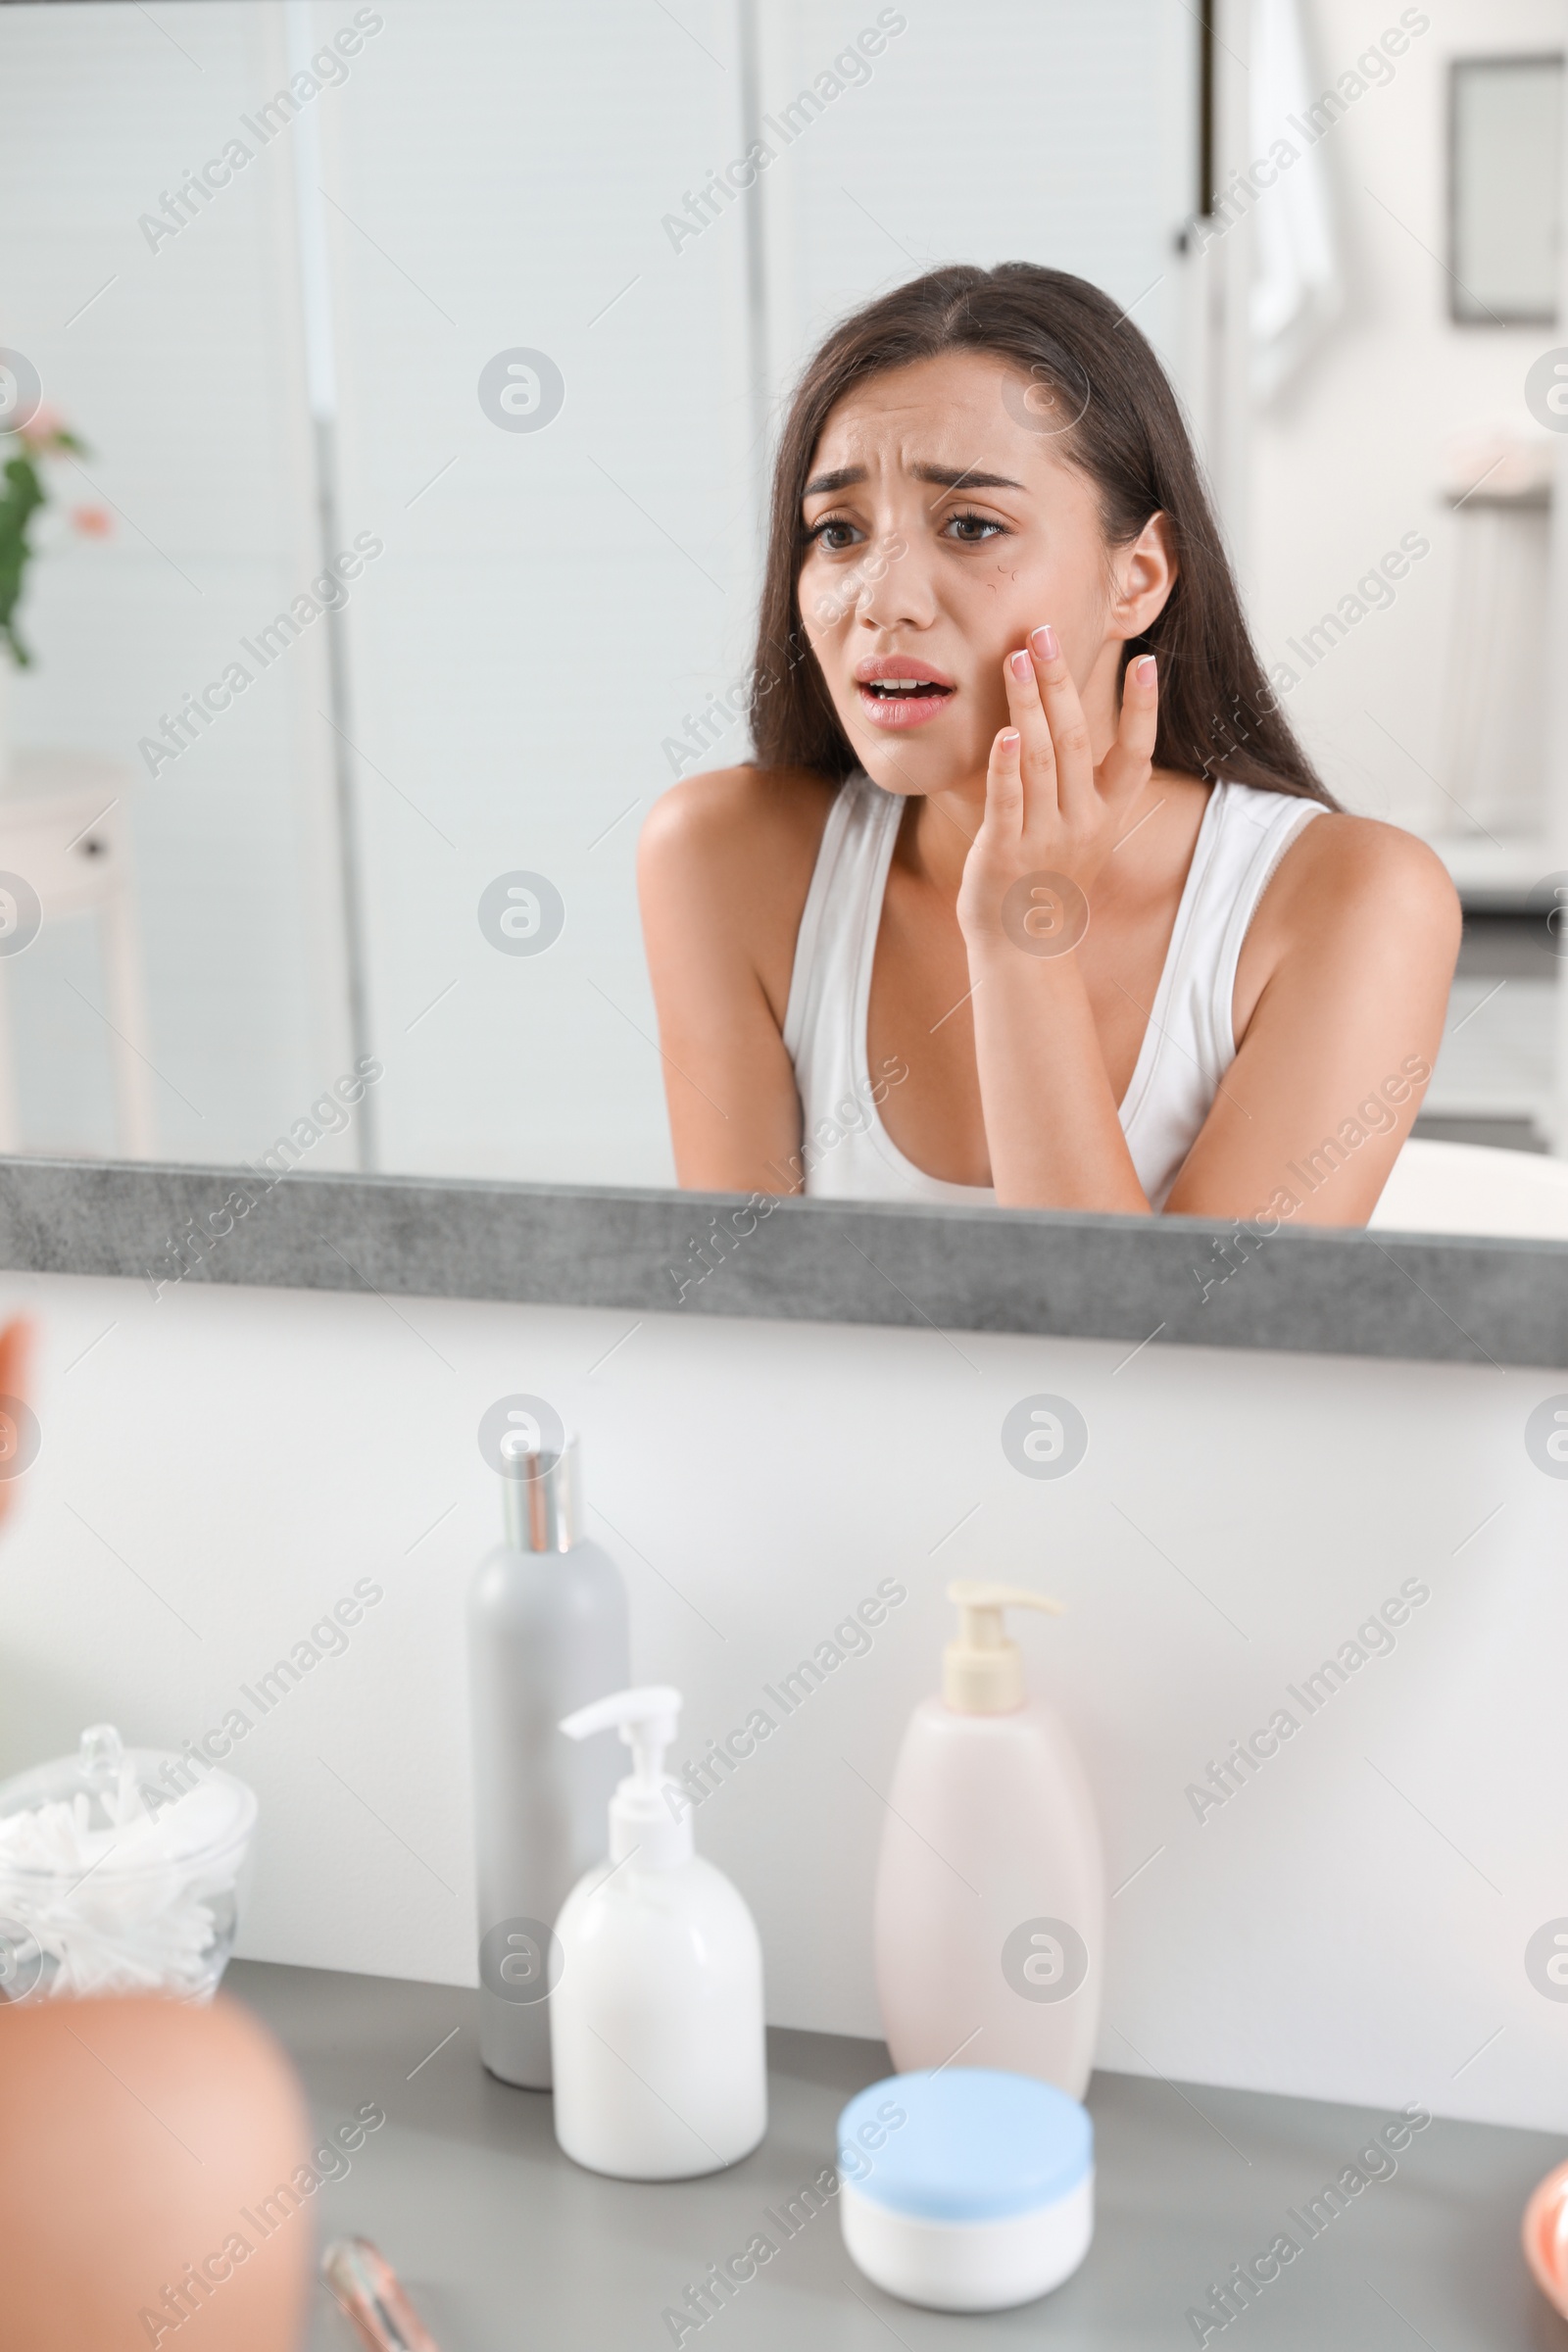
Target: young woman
1030,895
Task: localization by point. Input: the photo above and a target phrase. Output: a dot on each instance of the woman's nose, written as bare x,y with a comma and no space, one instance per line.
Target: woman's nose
894,586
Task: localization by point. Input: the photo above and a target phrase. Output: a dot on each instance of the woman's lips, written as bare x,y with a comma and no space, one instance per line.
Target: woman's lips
895,710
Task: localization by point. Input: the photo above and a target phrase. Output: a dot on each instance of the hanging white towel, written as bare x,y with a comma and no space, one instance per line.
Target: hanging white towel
1297,287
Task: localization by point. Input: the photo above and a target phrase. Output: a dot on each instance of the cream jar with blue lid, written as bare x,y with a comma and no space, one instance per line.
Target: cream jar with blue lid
966,2188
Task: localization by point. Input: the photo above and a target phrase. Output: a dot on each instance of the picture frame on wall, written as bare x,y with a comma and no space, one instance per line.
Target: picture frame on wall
1504,189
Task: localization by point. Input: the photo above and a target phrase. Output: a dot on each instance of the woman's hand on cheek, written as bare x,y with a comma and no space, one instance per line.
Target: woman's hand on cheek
1050,815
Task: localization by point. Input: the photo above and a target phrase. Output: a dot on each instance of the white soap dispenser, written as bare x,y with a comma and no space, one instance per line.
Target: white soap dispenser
990,1893
656,2024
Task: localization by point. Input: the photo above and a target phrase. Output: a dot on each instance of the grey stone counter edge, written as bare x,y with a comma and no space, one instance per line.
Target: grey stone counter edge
1047,1273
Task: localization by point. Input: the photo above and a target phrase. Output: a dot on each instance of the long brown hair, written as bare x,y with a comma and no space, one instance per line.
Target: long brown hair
1218,713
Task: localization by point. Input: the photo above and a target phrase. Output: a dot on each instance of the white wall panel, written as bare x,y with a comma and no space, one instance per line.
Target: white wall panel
554,604
179,363
999,131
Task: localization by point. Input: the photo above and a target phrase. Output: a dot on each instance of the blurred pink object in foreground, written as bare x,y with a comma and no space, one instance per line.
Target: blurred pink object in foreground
15,1356
1545,2236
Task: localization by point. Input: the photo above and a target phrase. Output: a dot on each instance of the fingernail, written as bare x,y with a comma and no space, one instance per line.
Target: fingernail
1145,668
1044,641
1020,664
1008,739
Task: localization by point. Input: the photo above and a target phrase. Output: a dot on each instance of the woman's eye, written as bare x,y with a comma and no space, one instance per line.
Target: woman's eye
972,529
834,535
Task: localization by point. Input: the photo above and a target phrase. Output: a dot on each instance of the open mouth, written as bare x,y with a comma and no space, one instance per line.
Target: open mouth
901,702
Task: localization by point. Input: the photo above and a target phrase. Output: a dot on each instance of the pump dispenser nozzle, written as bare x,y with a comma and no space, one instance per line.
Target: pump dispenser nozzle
982,1671
643,1818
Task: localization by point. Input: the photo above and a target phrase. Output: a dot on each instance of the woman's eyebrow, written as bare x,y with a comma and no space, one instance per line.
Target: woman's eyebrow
953,477
946,477
843,477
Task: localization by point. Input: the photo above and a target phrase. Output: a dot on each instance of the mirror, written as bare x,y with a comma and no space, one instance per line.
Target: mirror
401,384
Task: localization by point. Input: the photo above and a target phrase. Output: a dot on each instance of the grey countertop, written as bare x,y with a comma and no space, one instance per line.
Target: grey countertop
504,2246
1059,1273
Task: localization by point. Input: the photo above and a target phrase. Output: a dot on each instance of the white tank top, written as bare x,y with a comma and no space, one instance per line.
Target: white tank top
1188,1046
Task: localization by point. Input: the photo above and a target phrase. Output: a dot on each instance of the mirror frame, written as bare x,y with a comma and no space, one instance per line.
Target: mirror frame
1440,1298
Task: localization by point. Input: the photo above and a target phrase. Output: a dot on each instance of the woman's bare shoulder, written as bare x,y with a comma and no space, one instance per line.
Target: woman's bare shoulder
1340,869
1354,902
724,866
732,823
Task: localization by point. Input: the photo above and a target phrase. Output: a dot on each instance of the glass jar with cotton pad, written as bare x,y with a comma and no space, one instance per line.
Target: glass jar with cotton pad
966,2188
121,1871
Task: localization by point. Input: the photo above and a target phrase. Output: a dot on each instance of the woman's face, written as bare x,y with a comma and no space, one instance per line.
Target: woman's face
943,525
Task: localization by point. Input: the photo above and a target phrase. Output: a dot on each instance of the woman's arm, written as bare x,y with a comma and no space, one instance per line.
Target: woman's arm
1353,946
722,871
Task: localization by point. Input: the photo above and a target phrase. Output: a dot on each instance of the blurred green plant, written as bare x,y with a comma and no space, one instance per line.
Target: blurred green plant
23,494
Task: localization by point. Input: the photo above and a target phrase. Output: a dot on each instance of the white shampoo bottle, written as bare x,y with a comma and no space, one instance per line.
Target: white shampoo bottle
547,1628
656,2025
990,1892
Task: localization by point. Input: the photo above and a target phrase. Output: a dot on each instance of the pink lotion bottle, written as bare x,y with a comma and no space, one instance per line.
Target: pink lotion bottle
991,1890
